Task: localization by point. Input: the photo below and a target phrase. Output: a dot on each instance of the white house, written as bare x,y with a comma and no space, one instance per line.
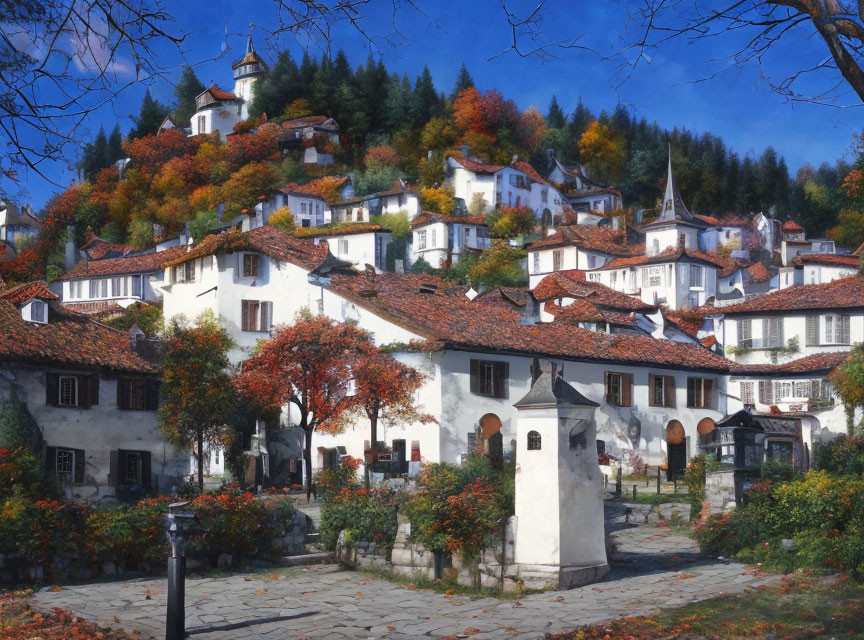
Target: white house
727,232
583,194
93,393
360,244
516,185
400,198
819,268
442,239
218,110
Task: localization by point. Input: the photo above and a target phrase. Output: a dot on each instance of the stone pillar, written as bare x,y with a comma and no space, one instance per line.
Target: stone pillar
560,536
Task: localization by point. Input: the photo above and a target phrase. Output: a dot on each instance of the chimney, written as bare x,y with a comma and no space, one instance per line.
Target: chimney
550,156
515,158
71,248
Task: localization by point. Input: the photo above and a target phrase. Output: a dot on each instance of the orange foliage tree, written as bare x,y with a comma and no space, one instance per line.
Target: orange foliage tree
385,390
531,127
260,146
383,156
243,188
151,152
308,365
604,151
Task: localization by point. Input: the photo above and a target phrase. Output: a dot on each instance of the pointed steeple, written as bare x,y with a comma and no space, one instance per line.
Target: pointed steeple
250,48
673,207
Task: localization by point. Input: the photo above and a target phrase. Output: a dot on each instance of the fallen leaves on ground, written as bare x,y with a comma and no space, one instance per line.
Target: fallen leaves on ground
19,621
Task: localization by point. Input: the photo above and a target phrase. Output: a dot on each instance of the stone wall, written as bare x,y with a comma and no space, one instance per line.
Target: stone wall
720,491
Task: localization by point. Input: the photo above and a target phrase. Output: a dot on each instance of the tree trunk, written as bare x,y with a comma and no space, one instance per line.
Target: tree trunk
850,419
200,462
307,459
373,422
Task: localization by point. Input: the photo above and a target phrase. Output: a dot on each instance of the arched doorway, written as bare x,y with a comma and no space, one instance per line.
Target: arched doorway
493,441
676,449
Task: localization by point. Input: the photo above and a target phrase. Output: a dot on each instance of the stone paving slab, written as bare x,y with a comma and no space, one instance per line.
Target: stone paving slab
653,569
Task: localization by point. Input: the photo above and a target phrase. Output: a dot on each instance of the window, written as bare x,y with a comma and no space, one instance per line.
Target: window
696,275
811,338
93,289
132,473
699,393
137,394
655,247
536,260
782,391
544,194
592,262
489,378
745,332
747,397
256,315
433,241
766,392
556,260
184,272
38,311
250,265
577,439
68,391
343,247
202,124
801,389
652,276
65,465
118,287
421,240
71,391
661,390
780,450
533,441
130,468
619,387
837,329
772,332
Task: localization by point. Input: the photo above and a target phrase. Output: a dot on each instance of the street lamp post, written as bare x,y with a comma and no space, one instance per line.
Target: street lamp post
178,525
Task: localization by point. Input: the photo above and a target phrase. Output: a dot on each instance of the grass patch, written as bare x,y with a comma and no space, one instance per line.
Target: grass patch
802,607
652,498
421,582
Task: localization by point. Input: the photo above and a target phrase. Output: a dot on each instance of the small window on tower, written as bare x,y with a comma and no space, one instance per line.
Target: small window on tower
533,441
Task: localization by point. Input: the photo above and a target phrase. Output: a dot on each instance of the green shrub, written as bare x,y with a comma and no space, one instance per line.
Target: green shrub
779,470
369,516
18,428
694,478
842,455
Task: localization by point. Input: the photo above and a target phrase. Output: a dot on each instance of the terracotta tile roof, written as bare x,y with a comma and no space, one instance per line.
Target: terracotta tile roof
585,311
98,249
594,191
143,263
600,239
844,293
689,323
529,171
476,166
560,285
833,259
305,121
507,297
399,187
725,221
217,93
67,340
709,341
347,230
28,291
723,264
818,362
312,188
427,217
268,240
94,308
457,323
792,227
758,272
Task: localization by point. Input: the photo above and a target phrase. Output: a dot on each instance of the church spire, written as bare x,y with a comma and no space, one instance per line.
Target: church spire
250,48
673,207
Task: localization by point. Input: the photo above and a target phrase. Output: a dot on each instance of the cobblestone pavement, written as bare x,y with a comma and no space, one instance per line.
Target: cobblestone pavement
652,569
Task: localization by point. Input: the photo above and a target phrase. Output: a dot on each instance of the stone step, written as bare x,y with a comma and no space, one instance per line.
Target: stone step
307,559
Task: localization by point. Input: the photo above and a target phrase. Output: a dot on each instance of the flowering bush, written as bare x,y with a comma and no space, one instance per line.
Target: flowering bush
842,455
230,521
20,474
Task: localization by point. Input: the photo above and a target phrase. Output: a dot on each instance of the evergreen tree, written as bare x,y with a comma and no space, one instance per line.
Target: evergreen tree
279,88
149,118
555,118
93,156
397,106
307,70
341,69
463,81
320,93
579,122
114,148
426,103
188,88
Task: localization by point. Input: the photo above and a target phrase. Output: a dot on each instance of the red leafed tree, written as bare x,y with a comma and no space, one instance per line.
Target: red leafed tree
151,152
308,365
385,390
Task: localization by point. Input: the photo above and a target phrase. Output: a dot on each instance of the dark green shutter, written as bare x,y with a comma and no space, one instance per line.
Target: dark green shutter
152,395
122,393
475,376
80,466
83,391
112,468
52,388
145,468
94,389
51,461
121,466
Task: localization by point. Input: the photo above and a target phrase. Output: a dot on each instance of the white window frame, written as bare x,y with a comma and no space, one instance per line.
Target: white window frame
72,381
65,475
748,393
421,240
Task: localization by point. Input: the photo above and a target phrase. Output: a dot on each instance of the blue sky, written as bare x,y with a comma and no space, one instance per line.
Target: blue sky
737,105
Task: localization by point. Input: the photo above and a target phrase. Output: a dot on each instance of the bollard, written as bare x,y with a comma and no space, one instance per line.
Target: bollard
634,493
675,483
178,524
658,481
618,483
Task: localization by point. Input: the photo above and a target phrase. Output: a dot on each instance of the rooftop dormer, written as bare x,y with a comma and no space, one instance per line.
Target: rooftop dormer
35,310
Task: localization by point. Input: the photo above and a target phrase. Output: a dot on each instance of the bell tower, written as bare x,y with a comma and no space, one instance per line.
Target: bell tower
247,71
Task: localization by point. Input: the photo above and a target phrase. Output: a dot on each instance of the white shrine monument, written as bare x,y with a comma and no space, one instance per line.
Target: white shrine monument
560,537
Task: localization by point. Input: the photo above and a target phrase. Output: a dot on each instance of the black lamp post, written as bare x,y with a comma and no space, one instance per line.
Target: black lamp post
178,525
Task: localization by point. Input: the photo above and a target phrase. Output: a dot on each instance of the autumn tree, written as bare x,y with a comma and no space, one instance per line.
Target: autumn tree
385,390
604,151
848,380
283,219
197,400
498,266
243,189
309,366
509,222
438,199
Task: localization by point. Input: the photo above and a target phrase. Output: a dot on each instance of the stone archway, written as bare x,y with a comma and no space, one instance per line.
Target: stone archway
493,441
676,449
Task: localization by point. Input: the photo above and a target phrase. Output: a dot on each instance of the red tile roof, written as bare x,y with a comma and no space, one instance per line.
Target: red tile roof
759,272
314,187
591,238
217,93
457,323
560,285
67,340
144,263
97,248
832,259
826,361
268,240
94,308
529,171
28,291
476,166
792,227
305,121
725,221
427,217
347,230
507,297
724,265
844,293
585,311
688,322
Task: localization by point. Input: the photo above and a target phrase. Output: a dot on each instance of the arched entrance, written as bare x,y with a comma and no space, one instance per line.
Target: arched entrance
676,449
493,441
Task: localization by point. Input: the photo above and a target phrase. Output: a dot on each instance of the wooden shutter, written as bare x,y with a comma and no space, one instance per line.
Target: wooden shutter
499,379
152,401
266,313
145,469
669,390
83,391
745,332
94,388
122,393
51,461
608,387
651,381
244,321
52,388
844,329
781,337
626,389
113,467
80,466
191,274
707,393
766,392
121,466
475,376
812,334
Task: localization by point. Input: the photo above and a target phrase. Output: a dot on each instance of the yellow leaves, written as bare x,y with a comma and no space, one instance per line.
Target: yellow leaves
604,150
686,576
438,199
